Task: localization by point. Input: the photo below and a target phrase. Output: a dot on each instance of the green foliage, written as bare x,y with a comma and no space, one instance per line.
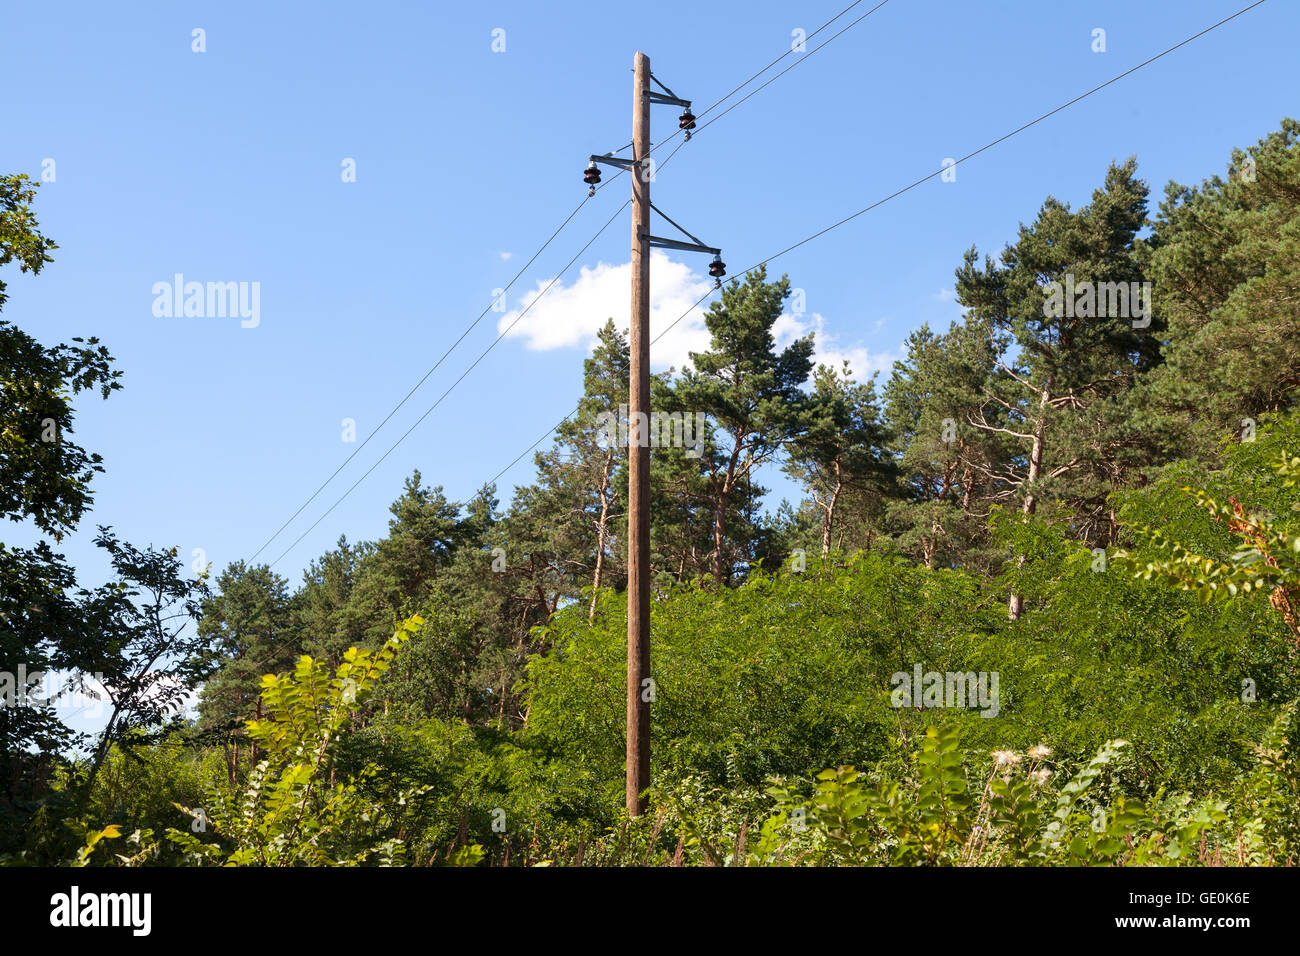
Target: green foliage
252,626
1268,799
45,478
843,460
93,839
941,815
768,678
292,811
753,397
1265,560
139,786
1226,263
151,656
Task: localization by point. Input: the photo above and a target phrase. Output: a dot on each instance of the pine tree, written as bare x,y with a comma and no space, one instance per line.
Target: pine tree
1067,292
751,394
1226,268
843,456
949,469
250,623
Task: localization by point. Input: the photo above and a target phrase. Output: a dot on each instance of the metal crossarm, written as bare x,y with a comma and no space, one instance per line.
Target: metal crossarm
619,161
674,244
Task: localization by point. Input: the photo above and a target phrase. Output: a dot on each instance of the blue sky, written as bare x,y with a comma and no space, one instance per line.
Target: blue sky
225,166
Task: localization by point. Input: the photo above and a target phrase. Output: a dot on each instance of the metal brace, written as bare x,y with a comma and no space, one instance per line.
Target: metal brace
671,98
611,160
676,243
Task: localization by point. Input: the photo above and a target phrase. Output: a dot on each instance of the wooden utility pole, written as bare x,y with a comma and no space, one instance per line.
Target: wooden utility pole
640,686
638,526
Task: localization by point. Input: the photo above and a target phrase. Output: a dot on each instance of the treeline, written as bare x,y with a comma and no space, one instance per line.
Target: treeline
1009,500
1013,409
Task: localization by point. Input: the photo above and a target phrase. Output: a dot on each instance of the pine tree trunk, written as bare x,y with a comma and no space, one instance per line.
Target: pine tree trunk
1016,605
602,533
828,522
719,533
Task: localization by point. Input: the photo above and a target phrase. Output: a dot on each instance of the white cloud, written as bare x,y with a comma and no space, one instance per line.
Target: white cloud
506,256
945,295
862,362
570,314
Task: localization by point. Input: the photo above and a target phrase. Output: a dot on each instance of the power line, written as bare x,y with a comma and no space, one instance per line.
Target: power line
1015,132
416,387
720,101
802,59
801,242
473,365
471,368
715,104
765,261
899,192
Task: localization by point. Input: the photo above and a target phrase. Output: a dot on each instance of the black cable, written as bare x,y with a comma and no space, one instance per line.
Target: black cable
356,451
414,388
802,59
907,188
471,368
790,248
722,100
715,104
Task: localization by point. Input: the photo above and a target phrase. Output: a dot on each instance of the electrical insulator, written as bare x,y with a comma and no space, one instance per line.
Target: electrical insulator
591,175
717,268
687,121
